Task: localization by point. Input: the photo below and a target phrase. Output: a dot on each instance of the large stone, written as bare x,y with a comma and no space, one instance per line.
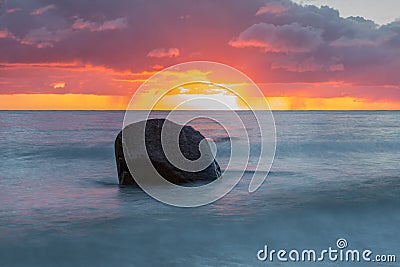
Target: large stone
189,142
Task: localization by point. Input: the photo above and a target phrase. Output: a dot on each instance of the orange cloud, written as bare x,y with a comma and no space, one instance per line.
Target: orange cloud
49,78
62,102
97,87
58,85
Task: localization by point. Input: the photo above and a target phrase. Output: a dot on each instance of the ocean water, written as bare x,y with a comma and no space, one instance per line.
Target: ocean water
335,175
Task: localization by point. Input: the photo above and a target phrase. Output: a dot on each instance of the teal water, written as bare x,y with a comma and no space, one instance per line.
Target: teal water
335,175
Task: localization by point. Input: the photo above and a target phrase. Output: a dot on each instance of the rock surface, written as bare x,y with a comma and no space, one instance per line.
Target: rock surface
189,142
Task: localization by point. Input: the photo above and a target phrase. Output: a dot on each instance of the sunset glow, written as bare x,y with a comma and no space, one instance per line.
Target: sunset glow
301,57
96,102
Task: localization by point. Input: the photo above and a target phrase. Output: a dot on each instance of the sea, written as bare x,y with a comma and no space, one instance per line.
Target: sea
335,176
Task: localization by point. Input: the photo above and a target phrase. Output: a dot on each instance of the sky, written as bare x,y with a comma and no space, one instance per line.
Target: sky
307,54
381,12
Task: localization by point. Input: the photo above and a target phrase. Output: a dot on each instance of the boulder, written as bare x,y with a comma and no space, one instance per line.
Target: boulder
189,142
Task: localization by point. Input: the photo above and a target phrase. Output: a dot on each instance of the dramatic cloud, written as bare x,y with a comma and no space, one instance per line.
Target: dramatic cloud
162,52
351,49
273,41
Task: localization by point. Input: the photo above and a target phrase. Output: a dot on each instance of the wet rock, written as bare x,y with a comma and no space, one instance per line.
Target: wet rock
189,142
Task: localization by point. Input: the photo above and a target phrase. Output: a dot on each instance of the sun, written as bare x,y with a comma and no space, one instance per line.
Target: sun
199,85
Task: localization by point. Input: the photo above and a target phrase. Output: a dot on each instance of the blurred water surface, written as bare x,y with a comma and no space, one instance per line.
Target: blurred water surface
335,175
